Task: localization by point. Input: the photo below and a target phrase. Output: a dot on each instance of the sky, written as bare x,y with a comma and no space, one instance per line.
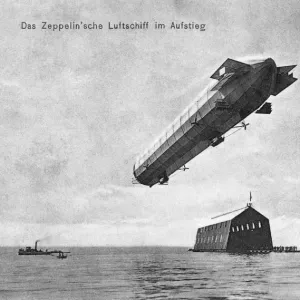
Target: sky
78,107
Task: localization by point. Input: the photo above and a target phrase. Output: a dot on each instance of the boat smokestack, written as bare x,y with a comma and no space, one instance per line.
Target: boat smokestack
36,244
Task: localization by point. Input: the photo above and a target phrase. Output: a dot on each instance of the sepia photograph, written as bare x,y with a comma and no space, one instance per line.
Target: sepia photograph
150,150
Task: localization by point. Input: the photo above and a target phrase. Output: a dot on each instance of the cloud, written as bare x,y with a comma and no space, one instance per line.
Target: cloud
10,83
79,106
292,180
285,230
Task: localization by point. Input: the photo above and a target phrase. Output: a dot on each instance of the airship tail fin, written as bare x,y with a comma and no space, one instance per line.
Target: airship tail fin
230,66
283,79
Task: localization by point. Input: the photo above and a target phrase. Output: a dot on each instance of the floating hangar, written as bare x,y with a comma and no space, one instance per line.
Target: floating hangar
246,231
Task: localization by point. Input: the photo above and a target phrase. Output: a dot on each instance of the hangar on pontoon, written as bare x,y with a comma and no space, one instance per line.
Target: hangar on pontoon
246,231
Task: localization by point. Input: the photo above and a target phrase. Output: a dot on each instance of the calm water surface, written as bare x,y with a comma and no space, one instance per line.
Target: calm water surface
149,273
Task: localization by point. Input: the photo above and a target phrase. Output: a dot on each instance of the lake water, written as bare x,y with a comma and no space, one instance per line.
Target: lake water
149,273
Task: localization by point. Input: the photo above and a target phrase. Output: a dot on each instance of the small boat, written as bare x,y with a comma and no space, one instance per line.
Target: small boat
61,255
35,251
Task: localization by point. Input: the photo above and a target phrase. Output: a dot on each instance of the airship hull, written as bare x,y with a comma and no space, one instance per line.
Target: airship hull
241,90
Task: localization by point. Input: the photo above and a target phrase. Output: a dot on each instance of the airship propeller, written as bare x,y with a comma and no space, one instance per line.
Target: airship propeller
243,125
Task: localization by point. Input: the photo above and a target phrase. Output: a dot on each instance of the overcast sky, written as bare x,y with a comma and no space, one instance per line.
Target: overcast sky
78,106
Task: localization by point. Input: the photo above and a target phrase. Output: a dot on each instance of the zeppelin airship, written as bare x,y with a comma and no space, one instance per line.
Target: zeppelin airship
239,89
